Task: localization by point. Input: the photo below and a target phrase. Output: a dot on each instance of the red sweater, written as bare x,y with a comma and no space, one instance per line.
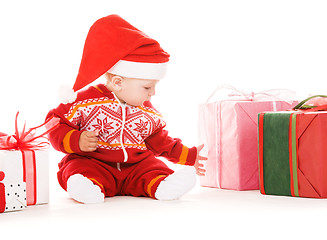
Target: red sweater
129,137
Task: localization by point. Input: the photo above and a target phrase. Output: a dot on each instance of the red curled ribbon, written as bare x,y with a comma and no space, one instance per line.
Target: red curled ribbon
28,140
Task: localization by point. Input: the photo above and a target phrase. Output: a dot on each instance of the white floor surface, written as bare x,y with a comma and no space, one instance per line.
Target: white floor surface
203,213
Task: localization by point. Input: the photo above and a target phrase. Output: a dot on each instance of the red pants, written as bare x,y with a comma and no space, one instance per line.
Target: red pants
135,179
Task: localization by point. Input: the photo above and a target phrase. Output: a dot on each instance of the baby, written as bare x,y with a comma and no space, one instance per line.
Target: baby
110,132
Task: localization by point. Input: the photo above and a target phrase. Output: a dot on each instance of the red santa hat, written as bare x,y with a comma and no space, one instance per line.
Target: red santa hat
113,45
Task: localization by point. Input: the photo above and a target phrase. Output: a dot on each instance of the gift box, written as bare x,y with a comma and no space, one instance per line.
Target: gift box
228,129
12,194
292,152
29,167
24,163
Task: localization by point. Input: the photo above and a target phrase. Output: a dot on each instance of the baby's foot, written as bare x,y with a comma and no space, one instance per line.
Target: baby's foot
177,184
84,190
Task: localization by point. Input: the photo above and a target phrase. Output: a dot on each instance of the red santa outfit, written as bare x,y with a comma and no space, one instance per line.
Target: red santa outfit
130,137
129,140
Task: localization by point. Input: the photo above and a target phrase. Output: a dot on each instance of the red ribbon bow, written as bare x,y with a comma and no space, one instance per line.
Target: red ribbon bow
27,140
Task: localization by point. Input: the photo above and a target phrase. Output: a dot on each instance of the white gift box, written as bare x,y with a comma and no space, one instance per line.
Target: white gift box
28,167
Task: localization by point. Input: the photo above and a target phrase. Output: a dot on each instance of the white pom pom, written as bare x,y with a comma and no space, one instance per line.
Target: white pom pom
67,94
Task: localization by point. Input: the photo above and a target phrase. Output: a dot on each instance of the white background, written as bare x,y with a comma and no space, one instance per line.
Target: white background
252,45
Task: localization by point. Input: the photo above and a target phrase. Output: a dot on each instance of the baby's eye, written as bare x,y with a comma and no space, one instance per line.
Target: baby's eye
146,88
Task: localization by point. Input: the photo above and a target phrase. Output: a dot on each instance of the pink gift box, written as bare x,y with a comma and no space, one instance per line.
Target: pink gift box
229,130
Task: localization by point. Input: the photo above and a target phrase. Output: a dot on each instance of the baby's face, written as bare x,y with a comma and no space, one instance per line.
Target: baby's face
136,91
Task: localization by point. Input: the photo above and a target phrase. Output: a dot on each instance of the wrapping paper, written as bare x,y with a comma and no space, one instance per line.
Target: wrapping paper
292,153
12,195
229,129
28,167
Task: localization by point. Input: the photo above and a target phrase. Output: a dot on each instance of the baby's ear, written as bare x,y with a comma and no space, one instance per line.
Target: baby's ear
117,82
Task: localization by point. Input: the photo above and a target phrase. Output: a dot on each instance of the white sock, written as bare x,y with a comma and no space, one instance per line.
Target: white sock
84,190
177,184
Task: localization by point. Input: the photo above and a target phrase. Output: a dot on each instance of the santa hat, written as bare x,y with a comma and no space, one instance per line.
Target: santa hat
113,45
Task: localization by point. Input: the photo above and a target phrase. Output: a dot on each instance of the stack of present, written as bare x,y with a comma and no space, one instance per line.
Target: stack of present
24,171
290,143
292,152
229,130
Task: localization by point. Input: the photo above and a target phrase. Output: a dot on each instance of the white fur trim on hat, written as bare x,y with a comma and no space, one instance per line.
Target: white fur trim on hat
155,71
67,94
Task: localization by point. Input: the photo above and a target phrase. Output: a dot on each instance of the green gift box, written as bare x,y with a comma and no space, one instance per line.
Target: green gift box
293,152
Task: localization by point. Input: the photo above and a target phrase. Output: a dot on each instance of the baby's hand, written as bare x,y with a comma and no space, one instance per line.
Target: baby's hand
199,167
88,141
